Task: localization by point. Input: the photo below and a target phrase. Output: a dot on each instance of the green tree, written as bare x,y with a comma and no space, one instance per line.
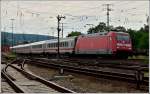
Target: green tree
144,41
146,28
101,27
133,37
74,34
120,29
143,36
140,38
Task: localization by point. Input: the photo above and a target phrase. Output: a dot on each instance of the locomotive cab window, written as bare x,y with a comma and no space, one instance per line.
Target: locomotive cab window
122,37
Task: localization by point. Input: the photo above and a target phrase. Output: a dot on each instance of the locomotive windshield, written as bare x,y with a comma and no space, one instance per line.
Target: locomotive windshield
122,37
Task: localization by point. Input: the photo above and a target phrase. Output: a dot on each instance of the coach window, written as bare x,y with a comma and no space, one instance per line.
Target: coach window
60,44
50,45
63,44
34,46
66,44
40,46
71,44
55,45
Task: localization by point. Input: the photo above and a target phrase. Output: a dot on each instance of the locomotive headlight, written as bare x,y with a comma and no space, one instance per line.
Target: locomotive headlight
119,44
128,45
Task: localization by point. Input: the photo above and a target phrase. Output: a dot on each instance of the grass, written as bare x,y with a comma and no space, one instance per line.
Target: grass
146,74
145,58
9,56
139,57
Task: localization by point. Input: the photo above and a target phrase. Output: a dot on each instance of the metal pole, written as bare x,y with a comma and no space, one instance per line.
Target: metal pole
108,9
4,36
108,16
62,30
58,29
12,31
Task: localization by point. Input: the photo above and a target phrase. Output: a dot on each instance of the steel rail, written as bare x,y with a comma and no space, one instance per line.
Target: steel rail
136,78
42,80
15,86
106,64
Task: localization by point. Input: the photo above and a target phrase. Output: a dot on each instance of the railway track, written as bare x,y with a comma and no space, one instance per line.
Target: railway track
96,61
117,64
136,77
26,82
128,62
5,87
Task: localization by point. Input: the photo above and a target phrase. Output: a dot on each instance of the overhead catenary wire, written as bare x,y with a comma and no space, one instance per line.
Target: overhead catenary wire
74,19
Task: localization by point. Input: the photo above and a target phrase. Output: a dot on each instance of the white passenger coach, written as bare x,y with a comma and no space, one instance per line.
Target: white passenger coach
66,45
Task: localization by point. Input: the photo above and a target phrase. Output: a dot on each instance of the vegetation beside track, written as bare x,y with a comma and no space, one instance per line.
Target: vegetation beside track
144,58
8,57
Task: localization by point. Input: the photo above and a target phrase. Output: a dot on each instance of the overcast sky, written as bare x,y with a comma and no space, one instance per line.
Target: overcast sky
39,17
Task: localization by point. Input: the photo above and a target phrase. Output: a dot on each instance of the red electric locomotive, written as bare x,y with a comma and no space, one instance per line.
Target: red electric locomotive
111,43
